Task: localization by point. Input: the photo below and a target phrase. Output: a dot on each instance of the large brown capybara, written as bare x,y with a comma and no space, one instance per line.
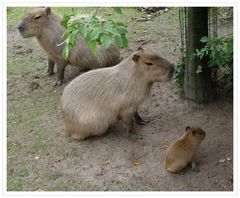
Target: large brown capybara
45,26
97,99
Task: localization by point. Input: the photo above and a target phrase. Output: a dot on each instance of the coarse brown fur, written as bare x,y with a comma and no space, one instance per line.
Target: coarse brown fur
95,100
183,151
45,26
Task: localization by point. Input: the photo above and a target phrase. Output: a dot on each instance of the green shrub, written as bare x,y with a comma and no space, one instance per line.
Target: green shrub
219,50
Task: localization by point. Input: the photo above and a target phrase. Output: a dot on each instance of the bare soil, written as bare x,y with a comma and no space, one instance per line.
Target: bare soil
41,156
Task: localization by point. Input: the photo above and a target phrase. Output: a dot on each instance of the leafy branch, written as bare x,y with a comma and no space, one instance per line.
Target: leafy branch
94,30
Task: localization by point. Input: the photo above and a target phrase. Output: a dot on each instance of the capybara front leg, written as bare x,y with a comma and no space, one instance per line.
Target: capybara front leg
60,74
129,122
51,64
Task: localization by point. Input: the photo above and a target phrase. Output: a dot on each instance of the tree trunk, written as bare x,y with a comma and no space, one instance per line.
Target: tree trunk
197,87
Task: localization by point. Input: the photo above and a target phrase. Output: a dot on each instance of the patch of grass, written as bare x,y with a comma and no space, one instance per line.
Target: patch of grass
13,184
17,172
28,111
17,64
15,14
54,175
124,186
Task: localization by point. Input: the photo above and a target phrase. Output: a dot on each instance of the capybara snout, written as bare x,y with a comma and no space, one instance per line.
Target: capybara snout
20,27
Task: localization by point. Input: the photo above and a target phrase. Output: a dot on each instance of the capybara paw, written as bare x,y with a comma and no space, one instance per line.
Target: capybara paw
139,120
49,73
75,136
135,136
142,122
195,169
58,83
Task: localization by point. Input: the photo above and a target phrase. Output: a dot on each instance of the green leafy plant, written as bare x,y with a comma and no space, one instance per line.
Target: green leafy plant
179,72
219,51
94,30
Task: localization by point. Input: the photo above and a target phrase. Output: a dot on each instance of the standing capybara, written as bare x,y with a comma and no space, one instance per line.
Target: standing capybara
45,26
95,100
183,151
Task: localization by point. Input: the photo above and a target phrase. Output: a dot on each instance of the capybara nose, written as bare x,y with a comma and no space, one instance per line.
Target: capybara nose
20,27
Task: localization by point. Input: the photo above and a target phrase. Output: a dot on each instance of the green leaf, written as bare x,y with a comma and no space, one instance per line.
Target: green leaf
95,34
228,87
65,52
72,37
114,32
199,69
64,23
67,32
106,40
119,23
75,22
65,19
83,31
125,41
117,10
118,41
122,30
107,26
205,39
93,46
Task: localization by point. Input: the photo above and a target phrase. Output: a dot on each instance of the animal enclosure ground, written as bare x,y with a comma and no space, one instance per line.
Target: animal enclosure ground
40,157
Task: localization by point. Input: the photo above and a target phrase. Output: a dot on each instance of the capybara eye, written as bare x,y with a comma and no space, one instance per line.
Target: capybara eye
149,63
37,17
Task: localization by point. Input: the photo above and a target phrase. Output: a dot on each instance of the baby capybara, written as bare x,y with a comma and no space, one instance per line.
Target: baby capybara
183,151
95,100
45,26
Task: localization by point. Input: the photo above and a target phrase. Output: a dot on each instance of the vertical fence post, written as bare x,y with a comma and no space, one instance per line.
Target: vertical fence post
197,87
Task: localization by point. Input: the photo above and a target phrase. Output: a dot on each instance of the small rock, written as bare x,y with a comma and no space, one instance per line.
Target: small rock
107,162
228,159
222,160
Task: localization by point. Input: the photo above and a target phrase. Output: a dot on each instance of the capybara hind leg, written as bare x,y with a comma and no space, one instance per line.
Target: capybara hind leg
139,120
51,64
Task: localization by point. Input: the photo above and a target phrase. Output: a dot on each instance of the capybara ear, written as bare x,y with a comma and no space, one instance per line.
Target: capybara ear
140,49
135,57
188,128
48,10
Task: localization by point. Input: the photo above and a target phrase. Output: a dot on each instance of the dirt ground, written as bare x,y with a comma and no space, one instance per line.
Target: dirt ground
42,158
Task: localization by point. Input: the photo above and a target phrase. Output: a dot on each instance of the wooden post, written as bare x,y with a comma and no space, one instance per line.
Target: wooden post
197,87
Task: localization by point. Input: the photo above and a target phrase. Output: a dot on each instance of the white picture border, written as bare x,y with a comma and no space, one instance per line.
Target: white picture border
104,3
